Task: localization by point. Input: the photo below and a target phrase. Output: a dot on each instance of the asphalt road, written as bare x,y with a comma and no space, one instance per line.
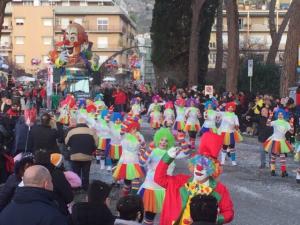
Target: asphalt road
259,199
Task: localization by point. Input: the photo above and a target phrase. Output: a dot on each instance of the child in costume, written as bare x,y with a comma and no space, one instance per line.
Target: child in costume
103,131
180,113
136,108
277,144
169,115
128,167
229,128
152,193
180,189
210,117
154,112
115,130
192,115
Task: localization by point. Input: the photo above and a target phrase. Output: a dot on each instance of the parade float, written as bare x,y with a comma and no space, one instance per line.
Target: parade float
72,63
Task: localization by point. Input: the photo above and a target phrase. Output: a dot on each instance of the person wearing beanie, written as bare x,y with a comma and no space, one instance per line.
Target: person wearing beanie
180,189
151,192
277,144
61,187
229,128
95,211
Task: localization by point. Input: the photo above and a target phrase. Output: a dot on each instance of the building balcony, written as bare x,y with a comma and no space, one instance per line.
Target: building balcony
110,48
6,29
5,48
93,29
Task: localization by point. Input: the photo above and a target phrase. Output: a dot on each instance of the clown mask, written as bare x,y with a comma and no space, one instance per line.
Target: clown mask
200,174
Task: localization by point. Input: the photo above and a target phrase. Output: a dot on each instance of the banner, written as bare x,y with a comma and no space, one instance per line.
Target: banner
209,90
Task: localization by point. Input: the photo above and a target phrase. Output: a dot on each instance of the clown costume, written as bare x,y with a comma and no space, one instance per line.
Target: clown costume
153,194
136,108
180,113
210,117
229,128
115,130
192,116
180,189
277,144
154,112
169,115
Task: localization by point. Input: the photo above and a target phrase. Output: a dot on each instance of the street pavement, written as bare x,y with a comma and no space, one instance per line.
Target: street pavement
258,198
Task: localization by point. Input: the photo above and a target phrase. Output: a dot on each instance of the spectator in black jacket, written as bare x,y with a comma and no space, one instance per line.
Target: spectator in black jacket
82,141
264,132
95,211
43,136
8,190
33,204
61,187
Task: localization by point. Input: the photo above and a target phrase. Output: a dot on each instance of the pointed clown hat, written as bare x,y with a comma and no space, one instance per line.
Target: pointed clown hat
210,145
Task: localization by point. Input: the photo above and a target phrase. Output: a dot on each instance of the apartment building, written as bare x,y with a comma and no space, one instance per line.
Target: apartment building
32,27
254,32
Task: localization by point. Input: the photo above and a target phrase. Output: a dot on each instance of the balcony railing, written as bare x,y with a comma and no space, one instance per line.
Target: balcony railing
6,28
95,29
5,47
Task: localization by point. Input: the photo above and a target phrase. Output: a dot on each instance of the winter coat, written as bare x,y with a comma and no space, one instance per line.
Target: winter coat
61,187
32,206
126,222
21,138
85,213
264,131
82,141
8,190
43,137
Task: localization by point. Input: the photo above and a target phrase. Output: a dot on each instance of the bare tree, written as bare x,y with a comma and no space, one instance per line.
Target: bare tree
219,37
233,45
288,76
276,36
2,13
194,42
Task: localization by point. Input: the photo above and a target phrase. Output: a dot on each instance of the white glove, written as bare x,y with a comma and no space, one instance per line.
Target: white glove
172,152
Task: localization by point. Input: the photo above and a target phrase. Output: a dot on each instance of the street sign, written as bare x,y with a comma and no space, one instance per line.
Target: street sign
209,90
250,67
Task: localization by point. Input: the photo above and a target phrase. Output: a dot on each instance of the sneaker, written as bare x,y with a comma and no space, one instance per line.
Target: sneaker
273,173
284,174
234,163
298,181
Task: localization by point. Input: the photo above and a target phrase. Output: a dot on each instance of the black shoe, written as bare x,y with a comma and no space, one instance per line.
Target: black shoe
273,173
97,161
284,174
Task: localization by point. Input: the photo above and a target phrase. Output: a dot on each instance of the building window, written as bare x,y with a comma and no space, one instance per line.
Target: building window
78,20
5,41
102,59
64,22
241,23
212,44
45,59
47,40
20,59
20,40
102,42
64,3
48,22
102,23
83,3
20,21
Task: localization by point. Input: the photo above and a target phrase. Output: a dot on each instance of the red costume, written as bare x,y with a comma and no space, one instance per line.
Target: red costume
177,195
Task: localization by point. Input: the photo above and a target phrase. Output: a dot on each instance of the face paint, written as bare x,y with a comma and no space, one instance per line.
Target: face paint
163,143
200,173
